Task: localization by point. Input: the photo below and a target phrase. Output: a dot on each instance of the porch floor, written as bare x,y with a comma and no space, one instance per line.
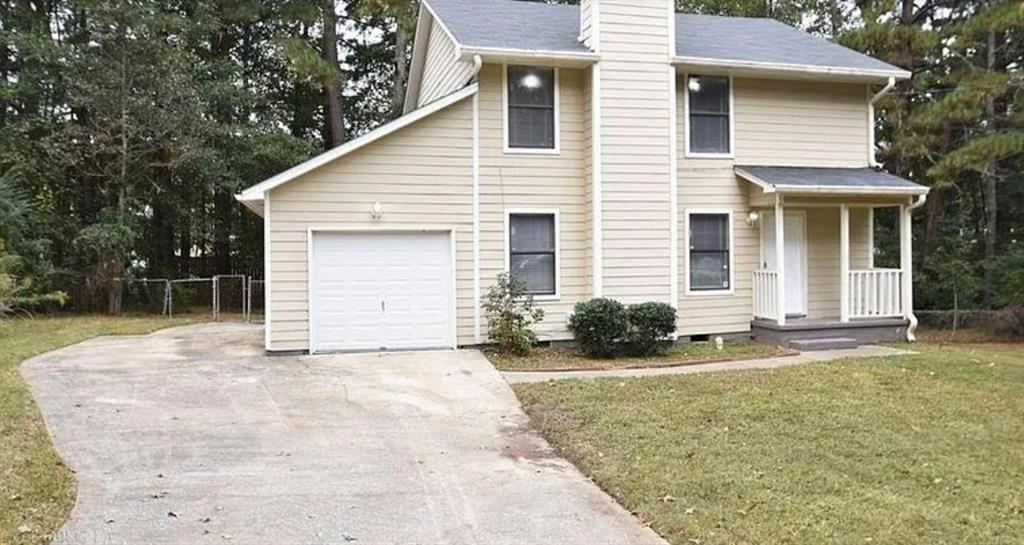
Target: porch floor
864,330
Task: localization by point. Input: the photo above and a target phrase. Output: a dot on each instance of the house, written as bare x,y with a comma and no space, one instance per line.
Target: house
612,149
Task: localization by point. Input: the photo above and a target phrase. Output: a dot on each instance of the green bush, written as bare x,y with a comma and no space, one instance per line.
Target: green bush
598,325
510,313
649,324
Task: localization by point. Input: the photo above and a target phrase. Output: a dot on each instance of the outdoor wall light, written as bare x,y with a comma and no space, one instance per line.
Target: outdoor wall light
376,211
752,217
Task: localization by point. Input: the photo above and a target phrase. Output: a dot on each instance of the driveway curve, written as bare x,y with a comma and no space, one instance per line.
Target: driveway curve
192,435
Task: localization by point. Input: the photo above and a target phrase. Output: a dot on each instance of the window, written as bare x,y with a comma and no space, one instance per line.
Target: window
530,94
532,254
708,100
709,252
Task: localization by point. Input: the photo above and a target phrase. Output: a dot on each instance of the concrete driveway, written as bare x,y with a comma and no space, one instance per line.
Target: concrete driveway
192,436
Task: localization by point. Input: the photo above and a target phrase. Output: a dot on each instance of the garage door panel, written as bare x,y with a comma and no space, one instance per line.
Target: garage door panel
381,290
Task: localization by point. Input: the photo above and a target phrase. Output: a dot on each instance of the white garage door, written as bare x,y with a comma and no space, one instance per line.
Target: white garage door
373,291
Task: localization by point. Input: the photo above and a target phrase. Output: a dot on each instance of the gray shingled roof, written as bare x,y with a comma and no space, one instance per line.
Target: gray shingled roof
833,178
756,39
536,26
512,24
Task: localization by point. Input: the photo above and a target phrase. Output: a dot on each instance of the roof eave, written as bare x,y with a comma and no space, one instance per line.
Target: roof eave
794,70
492,54
784,189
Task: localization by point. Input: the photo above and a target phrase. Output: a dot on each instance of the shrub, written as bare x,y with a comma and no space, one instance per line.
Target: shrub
598,325
649,324
510,313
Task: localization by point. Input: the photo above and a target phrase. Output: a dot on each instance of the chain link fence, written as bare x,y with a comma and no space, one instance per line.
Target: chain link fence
235,297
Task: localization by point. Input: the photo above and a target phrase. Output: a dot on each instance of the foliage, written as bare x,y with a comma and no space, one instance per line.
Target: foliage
649,324
17,293
1009,291
562,359
599,325
510,313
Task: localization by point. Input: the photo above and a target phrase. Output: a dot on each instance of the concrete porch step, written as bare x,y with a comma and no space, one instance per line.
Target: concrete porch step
827,343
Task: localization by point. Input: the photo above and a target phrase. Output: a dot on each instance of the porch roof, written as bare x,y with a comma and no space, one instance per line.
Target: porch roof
856,181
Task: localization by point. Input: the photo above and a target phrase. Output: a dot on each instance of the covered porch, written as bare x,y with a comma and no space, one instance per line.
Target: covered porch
821,282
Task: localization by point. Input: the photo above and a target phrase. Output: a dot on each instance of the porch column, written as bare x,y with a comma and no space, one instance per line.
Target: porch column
907,270
780,262
844,263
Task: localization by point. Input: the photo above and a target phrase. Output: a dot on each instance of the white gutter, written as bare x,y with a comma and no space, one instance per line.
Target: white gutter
789,67
872,161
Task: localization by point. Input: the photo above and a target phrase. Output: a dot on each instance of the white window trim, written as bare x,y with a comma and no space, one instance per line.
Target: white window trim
558,247
732,253
504,116
686,122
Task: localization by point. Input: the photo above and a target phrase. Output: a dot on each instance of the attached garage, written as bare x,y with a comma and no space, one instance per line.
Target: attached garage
381,290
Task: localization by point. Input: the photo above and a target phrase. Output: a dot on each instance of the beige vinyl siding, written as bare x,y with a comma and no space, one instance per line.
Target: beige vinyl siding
823,256
795,123
540,181
421,175
709,188
800,123
443,72
635,139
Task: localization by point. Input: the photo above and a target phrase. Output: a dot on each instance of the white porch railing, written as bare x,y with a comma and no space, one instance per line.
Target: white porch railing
766,295
876,293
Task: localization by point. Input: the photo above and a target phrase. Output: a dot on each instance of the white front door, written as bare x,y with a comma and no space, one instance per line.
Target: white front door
796,257
375,291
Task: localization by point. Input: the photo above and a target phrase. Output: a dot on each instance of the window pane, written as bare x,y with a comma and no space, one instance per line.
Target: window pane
708,94
536,270
709,133
709,271
531,128
531,86
709,232
532,233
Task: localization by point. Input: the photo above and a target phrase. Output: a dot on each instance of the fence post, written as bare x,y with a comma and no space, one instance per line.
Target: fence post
216,297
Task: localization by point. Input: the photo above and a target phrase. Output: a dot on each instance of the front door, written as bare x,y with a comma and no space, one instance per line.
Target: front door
796,257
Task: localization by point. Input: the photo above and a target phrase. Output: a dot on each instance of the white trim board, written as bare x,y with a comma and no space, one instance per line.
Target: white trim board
258,191
774,68
558,246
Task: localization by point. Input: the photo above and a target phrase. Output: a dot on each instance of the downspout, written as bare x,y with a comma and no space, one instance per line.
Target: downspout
478,63
872,162
477,334
911,318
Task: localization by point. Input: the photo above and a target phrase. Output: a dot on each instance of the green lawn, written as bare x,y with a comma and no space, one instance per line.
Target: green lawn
925,449
37,490
555,359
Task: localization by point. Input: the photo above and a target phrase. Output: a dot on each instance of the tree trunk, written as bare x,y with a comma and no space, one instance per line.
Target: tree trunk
223,206
933,225
835,14
335,123
991,202
401,71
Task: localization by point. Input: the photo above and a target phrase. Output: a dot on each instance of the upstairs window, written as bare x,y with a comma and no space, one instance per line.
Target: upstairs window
532,252
708,98
532,116
709,252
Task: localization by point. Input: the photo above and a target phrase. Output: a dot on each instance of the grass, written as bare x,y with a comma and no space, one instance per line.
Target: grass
37,490
925,449
560,359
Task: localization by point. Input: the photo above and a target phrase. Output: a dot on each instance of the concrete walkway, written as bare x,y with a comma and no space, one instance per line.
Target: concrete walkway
193,436
866,351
